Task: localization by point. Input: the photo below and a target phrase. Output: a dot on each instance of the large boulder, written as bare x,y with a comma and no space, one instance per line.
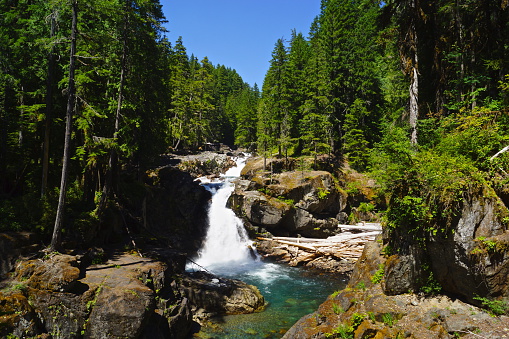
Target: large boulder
116,299
289,203
59,273
469,257
261,209
17,316
211,295
204,163
475,260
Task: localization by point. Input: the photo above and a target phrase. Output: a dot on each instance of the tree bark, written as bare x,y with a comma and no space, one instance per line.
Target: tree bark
414,81
414,105
71,102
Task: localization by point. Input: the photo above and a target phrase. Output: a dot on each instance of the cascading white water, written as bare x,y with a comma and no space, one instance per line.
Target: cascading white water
227,253
226,241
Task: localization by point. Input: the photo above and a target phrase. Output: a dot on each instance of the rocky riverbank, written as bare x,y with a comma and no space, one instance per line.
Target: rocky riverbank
124,296
365,310
138,288
399,288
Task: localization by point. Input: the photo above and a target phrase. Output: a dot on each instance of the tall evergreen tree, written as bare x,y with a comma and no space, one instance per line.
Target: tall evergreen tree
71,101
275,98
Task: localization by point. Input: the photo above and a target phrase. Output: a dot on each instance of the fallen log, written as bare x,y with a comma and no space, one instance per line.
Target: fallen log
339,237
360,228
309,248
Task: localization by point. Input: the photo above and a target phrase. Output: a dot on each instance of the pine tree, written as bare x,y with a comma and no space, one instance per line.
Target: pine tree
275,98
71,101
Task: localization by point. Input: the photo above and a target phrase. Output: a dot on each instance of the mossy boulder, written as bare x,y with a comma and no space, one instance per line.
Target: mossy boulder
17,317
127,296
210,295
290,203
12,246
59,273
475,259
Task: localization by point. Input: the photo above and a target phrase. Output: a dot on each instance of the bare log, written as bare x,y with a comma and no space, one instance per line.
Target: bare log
308,248
360,228
503,150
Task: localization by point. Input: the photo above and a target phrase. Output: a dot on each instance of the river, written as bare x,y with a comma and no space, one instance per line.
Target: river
289,292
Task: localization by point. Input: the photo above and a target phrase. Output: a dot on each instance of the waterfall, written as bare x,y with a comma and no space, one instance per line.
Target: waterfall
226,241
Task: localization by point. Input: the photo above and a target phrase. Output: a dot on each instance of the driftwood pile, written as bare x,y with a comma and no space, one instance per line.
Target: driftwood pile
346,245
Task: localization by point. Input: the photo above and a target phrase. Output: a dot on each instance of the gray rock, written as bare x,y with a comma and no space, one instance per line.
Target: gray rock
218,296
262,210
403,273
461,264
299,202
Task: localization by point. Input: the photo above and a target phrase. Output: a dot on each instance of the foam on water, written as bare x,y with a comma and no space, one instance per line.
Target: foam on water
226,242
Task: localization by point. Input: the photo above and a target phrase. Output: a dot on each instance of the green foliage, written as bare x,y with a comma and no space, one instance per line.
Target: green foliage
495,307
366,207
357,319
361,285
341,331
485,246
354,139
337,309
287,201
333,295
379,274
430,286
264,190
322,193
388,319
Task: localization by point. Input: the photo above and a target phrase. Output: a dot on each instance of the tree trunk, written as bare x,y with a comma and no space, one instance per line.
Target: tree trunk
414,86
71,101
113,159
414,104
49,108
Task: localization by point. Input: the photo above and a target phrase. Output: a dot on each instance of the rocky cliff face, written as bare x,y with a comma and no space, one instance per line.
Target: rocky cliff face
174,207
470,259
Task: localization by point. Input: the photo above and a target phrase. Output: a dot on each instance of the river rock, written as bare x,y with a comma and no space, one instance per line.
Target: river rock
116,299
403,272
261,209
210,295
59,273
202,164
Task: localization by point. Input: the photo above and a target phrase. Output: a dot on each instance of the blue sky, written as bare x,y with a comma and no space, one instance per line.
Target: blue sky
239,34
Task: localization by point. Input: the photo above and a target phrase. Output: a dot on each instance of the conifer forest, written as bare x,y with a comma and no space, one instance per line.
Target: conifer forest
413,93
